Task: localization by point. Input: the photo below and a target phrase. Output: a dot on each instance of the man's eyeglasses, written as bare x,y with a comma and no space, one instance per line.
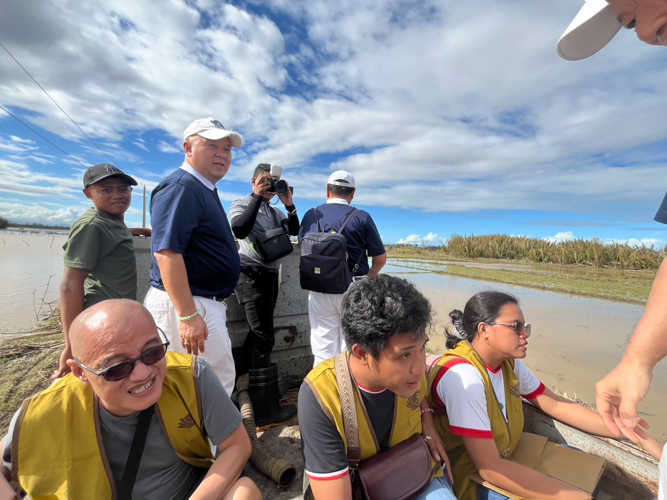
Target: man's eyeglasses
122,370
518,327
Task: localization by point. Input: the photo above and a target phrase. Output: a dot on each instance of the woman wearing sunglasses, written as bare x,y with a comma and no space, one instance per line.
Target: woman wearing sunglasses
480,383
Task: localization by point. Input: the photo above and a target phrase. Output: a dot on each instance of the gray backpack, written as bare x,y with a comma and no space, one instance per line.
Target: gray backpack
323,266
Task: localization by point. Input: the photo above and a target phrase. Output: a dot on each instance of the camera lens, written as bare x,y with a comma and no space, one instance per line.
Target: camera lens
280,186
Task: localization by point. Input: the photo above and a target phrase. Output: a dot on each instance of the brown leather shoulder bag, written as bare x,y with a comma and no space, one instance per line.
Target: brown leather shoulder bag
400,473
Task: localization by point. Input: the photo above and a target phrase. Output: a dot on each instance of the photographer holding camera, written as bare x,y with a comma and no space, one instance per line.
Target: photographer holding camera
261,229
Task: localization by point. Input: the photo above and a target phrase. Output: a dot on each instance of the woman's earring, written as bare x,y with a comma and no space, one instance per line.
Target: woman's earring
486,339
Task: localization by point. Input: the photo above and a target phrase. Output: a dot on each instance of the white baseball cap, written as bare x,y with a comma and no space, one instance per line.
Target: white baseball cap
210,128
593,28
341,178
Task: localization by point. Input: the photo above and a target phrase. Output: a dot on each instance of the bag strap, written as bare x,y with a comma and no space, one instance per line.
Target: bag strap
134,458
347,219
275,215
350,423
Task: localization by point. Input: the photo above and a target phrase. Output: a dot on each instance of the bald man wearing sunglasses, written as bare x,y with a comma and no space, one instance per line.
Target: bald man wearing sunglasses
131,421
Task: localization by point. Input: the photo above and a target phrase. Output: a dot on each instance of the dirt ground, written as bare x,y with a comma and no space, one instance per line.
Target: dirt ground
281,442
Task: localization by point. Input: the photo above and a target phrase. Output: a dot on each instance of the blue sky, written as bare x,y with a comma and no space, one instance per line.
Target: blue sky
454,117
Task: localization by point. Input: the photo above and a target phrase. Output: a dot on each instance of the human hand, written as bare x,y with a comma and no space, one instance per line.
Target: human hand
63,367
194,334
286,197
434,442
261,185
618,395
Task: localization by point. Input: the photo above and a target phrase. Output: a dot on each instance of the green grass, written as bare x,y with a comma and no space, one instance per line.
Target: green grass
613,288
607,283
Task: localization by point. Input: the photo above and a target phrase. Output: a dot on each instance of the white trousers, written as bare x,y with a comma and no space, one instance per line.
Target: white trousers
326,335
662,494
218,352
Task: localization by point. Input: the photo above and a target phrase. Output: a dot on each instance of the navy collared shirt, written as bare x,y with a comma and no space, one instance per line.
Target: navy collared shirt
188,218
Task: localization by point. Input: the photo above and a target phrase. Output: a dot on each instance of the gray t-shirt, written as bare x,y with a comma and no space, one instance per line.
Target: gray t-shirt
162,474
268,217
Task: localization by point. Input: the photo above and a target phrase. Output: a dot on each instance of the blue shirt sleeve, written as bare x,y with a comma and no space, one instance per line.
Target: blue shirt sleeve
374,243
661,216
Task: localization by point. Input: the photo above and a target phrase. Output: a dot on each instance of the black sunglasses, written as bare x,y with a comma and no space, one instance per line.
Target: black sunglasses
122,370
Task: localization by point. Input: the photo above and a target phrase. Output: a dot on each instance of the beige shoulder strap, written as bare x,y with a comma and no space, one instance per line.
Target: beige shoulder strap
350,422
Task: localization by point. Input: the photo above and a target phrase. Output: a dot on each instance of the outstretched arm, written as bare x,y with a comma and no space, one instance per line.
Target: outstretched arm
619,393
377,264
193,332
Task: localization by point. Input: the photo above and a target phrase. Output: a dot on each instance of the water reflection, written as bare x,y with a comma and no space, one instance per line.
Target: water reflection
575,340
31,267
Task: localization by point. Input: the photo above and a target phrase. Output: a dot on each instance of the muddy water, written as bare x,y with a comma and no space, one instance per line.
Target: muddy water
31,267
575,340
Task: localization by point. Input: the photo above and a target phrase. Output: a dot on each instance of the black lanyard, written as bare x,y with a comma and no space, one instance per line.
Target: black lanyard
136,451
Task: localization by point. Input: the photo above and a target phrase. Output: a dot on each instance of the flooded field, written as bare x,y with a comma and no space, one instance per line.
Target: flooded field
31,267
575,340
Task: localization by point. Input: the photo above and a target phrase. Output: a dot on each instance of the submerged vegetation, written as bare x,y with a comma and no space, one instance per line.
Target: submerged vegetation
593,253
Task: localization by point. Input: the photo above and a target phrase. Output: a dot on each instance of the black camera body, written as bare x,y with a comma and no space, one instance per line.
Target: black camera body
278,185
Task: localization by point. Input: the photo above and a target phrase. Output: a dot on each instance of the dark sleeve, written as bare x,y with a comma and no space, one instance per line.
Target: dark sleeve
374,243
306,223
291,223
242,225
661,216
323,448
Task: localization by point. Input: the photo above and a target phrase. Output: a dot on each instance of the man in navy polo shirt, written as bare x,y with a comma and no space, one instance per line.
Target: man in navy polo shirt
363,241
195,261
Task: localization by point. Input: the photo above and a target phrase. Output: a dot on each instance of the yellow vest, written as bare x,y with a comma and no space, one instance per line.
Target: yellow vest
506,434
57,447
407,414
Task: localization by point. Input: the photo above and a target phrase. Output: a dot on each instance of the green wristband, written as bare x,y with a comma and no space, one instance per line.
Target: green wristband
186,318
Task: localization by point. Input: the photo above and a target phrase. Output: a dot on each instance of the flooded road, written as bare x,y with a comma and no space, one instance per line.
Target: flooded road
575,340
31,267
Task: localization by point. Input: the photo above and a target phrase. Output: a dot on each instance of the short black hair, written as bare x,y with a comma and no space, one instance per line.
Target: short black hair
343,191
375,309
483,307
260,169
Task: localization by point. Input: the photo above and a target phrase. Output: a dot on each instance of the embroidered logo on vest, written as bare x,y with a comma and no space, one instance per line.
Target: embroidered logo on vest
414,400
514,390
186,422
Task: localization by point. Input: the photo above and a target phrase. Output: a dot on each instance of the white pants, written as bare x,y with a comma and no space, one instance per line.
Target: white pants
326,335
662,494
218,352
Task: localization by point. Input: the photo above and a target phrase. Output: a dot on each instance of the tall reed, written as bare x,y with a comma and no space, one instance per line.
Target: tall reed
593,252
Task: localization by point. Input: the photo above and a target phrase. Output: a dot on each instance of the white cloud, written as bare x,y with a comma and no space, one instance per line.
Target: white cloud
431,239
561,237
165,147
413,239
429,113
634,242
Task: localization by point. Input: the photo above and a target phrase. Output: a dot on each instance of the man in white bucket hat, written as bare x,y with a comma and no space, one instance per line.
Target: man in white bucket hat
598,21
619,393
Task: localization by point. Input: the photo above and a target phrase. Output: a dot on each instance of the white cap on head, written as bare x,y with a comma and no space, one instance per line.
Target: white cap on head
593,28
341,178
212,129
